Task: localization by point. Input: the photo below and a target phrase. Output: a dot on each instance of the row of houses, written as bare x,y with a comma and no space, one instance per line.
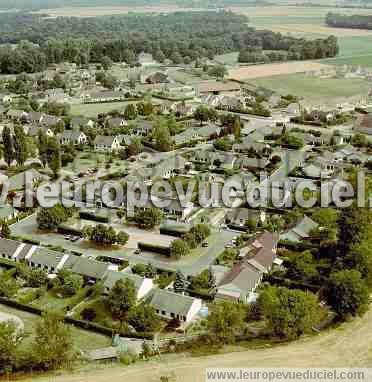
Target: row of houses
167,304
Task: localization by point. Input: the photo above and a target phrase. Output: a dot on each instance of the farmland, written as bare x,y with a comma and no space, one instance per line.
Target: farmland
315,89
257,71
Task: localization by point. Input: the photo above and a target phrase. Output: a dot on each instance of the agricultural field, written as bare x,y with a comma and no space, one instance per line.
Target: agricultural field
104,11
83,339
315,89
267,70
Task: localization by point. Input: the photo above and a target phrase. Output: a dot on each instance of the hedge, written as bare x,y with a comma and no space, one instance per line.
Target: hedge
65,229
176,230
91,216
154,248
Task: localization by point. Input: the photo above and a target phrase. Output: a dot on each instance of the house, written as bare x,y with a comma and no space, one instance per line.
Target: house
116,122
252,163
257,259
143,285
34,117
146,59
16,115
231,103
73,137
50,120
90,269
239,217
171,305
15,250
33,130
104,96
157,78
215,87
320,116
301,231
77,123
365,124
106,143
293,109
143,128
47,260
316,171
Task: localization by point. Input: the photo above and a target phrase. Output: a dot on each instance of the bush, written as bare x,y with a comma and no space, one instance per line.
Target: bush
88,314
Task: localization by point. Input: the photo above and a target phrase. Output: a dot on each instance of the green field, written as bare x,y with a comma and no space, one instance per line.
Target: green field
92,110
314,88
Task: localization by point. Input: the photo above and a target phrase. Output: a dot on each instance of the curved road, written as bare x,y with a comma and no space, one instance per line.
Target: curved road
350,345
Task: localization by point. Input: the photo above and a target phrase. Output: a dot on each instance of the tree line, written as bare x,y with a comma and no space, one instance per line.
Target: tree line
349,21
179,37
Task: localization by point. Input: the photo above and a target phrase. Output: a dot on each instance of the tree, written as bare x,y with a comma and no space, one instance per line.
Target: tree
289,313
359,140
130,112
20,145
237,128
10,338
348,293
42,146
70,283
5,229
202,114
218,71
53,346
303,267
203,281
88,314
135,147
180,283
51,218
179,248
161,135
148,218
8,143
104,235
106,62
143,318
122,298
36,278
53,155
225,321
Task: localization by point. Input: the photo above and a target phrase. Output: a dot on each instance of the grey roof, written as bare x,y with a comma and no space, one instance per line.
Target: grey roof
106,140
46,257
8,247
171,302
90,268
113,276
300,231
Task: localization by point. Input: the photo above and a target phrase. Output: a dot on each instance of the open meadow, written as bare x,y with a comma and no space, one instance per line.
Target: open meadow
315,89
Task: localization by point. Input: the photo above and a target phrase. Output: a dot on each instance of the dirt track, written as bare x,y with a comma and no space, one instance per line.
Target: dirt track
348,346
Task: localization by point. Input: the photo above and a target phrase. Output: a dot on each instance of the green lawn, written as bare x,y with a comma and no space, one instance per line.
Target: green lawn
314,88
92,110
83,339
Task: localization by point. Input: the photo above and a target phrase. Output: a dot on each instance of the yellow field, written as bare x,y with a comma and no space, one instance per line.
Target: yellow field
102,11
306,29
268,70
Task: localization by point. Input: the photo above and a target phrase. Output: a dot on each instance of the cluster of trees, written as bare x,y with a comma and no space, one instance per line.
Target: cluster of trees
51,218
15,145
101,234
51,347
267,46
197,234
148,218
122,302
349,21
178,37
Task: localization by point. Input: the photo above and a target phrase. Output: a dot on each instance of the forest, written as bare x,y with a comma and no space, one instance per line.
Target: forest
354,21
30,42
